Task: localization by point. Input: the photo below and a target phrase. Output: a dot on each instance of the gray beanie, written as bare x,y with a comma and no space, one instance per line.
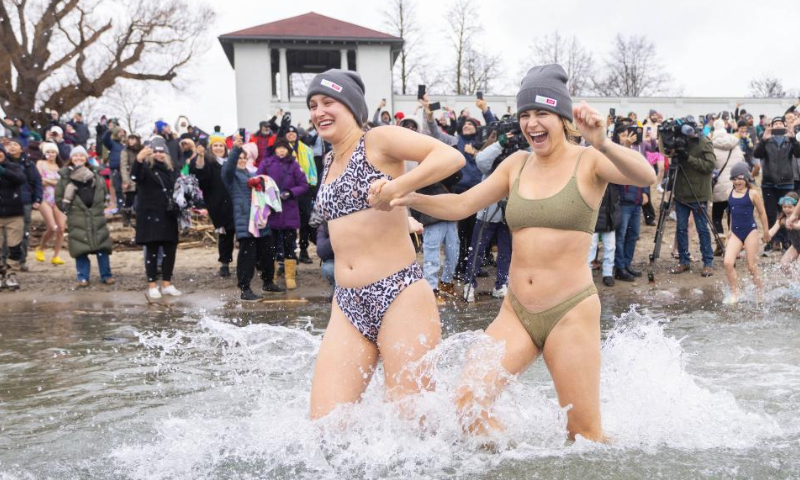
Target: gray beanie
77,150
545,88
741,169
345,86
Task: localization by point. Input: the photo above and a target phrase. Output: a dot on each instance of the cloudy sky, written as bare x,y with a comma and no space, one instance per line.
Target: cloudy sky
710,48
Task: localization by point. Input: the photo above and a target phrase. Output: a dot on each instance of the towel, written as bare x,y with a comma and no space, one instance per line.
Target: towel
265,196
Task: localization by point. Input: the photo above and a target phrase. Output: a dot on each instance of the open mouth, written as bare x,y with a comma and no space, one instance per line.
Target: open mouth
539,137
326,123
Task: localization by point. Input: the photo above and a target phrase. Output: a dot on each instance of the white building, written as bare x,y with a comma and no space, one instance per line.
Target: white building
265,58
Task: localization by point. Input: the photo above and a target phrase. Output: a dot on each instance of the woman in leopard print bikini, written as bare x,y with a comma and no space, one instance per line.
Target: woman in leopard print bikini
380,307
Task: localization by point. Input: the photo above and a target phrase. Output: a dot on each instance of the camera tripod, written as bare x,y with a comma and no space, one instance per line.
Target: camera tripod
667,202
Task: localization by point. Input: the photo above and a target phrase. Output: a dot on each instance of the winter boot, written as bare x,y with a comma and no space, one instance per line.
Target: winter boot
126,217
224,270
304,258
248,295
290,266
272,287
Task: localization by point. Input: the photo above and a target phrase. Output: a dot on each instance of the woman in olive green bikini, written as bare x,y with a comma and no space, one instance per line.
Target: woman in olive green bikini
553,197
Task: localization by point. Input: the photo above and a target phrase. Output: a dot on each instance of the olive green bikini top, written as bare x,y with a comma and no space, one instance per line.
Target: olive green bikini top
566,210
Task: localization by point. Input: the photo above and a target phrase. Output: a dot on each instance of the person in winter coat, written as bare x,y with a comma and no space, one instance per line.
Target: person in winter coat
206,165
777,151
728,154
81,194
31,193
126,161
285,171
466,142
173,145
255,248
81,129
608,220
305,158
12,218
156,215
114,142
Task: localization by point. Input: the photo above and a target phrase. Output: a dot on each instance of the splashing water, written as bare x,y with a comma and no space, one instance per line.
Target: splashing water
238,402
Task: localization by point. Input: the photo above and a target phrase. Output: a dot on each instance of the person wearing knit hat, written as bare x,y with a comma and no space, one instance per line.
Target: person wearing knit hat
305,158
377,278
742,201
727,153
554,193
133,145
207,168
81,194
55,221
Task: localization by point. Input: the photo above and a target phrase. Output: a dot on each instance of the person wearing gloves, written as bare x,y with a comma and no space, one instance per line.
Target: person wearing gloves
156,215
728,154
255,248
31,193
287,174
207,167
81,194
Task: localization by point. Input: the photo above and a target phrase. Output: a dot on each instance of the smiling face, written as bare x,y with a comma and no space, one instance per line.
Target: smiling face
331,118
543,130
78,159
241,163
468,129
159,156
739,183
51,155
787,209
218,149
291,136
281,152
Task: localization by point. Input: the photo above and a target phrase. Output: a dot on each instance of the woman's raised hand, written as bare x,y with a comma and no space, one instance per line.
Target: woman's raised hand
591,124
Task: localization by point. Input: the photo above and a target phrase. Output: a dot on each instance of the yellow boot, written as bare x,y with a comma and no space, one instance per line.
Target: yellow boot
39,255
289,271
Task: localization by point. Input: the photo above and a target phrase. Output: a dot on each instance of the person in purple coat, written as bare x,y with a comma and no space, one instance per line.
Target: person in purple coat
285,171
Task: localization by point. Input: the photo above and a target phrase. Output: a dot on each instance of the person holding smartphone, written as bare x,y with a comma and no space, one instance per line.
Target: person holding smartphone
777,152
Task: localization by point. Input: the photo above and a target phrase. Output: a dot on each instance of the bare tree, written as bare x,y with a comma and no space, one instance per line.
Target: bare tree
480,70
57,53
570,54
400,17
767,87
632,70
130,102
464,25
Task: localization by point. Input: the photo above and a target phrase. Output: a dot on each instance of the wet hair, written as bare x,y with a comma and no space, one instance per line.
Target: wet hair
570,131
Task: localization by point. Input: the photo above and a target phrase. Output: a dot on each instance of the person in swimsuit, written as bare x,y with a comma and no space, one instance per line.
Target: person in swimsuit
54,219
743,233
381,306
789,221
552,307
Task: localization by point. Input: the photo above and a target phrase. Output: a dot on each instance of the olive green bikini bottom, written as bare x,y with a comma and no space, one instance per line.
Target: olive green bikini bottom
539,324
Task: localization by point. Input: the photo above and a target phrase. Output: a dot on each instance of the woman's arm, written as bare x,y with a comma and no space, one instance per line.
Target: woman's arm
395,145
758,201
453,207
617,164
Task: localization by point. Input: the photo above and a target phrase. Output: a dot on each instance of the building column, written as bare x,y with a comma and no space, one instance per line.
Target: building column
343,62
284,71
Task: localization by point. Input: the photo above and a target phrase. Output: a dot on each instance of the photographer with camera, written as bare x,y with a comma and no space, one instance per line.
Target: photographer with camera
467,141
694,159
777,151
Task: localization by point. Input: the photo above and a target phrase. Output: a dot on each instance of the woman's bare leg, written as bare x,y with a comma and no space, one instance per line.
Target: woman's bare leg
572,354
61,222
410,329
752,246
732,249
49,219
482,381
345,364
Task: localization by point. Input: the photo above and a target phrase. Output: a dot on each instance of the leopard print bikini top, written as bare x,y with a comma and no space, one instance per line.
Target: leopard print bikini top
348,192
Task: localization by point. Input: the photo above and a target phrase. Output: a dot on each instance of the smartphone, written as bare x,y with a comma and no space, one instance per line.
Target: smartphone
480,95
779,131
420,92
147,143
435,106
241,133
797,129
613,113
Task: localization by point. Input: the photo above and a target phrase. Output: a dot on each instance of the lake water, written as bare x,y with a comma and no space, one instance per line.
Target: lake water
116,389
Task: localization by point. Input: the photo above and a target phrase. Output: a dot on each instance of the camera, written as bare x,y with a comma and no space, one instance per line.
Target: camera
675,134
509,126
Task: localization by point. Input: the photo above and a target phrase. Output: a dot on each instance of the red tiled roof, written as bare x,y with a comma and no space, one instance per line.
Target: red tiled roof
310,25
